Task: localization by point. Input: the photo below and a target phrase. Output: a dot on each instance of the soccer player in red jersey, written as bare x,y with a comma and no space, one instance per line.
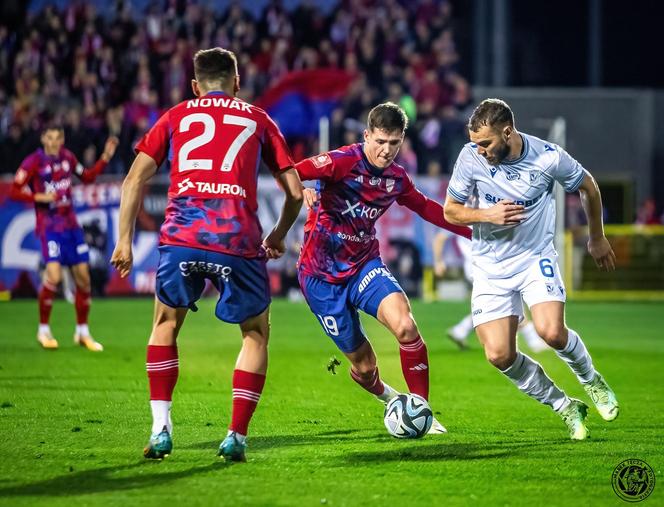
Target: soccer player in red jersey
340,269
214,144
45,178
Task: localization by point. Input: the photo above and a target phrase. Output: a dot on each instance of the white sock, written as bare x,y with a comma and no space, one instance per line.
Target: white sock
82,329
240,437
577,358
388,394
463,328
529,377
44,328
161,414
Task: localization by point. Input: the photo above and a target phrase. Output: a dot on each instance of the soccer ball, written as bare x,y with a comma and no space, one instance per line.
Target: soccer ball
408,416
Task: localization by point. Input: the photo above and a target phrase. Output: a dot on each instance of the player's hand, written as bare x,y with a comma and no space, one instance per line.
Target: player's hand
274,246
505,213
439,268
310,197
122,258
109,148
600,250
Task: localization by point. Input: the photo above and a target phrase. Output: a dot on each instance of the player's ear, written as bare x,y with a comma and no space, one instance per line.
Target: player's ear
236,84
366,135
195,88
507,132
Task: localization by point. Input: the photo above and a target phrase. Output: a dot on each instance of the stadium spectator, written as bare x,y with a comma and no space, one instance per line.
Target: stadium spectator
513,254
212,232
75,59
44,178
647,213
340,268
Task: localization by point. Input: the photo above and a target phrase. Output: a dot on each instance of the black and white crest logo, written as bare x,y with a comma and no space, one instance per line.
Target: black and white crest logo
534,175
633,480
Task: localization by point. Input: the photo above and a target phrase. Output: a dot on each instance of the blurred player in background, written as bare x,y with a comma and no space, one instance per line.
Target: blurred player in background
460,332
340,269
513,255
45,178
214,144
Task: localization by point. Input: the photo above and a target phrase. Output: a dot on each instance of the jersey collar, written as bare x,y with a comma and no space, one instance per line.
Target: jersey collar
524,152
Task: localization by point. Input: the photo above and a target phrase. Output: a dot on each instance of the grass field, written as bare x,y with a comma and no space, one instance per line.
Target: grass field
73,423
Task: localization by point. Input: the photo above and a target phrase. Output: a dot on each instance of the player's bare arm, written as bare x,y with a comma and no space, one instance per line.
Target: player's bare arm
109,148
290,183
502,213
143,168
598,246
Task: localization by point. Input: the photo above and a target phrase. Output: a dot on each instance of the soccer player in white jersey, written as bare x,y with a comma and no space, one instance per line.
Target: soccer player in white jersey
460,332
513,175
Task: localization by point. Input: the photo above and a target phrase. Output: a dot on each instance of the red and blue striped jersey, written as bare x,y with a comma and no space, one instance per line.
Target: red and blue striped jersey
42,173
214,145
340,231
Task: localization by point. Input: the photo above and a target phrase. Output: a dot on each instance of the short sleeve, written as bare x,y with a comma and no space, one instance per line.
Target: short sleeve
568,172
156,141
276,154
461,182
25,171
328,166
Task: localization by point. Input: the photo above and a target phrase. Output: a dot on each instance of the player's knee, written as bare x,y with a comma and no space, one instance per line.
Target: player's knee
53,281
501,359
406,329
553,334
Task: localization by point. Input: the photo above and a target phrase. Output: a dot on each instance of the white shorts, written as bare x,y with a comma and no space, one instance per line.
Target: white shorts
496,298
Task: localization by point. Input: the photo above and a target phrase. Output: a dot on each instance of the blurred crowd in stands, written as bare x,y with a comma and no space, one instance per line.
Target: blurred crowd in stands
117,73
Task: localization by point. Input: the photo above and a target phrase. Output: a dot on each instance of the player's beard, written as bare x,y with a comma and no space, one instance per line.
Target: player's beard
501,154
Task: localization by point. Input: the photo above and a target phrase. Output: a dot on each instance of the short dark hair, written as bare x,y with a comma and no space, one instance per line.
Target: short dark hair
491,112
52,126
388,117
215,65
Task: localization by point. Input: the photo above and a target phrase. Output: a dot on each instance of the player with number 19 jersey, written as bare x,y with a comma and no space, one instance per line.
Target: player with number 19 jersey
214,144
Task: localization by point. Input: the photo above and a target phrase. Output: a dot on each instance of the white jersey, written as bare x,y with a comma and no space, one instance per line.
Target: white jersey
504,250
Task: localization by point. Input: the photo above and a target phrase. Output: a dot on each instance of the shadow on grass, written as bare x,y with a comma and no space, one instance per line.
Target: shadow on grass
102,480
264,442
386,449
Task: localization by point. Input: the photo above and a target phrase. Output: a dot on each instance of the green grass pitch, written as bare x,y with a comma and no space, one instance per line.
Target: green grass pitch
73,423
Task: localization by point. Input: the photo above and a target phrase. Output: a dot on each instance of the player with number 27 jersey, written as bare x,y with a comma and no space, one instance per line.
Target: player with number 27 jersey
214,144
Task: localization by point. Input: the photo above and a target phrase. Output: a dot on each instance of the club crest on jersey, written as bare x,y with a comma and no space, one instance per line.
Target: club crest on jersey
375,180
512,175
185,185
389,184
321,160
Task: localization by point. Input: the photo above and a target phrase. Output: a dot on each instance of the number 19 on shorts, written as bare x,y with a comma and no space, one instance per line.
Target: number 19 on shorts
330,324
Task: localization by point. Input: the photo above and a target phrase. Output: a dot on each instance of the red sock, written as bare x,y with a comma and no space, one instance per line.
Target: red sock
247,389
163,368
46,296
82,306
374,384
415,366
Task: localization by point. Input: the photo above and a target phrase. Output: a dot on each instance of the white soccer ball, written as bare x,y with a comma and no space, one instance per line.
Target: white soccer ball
408,416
